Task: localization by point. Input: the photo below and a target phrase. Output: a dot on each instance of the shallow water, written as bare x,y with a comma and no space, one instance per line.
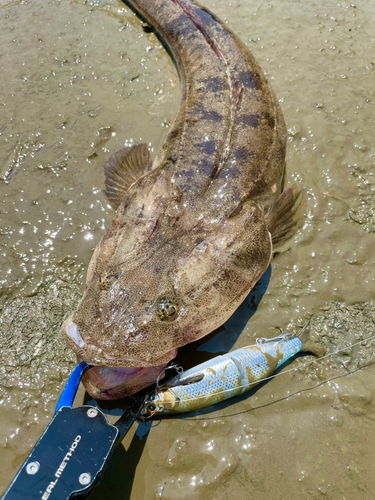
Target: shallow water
78,82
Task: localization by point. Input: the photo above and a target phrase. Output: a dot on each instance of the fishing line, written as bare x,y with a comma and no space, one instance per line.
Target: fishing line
284,372
285,398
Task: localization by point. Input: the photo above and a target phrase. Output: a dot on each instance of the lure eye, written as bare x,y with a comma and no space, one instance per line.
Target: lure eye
150,410
167,308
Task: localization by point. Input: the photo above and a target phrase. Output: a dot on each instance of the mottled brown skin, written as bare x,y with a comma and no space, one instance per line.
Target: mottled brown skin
192,229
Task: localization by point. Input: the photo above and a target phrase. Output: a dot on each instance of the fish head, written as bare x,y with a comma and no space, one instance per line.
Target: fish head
130,326
127,327
135,314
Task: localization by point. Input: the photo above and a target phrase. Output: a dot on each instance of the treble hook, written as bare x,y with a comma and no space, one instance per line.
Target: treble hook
283,336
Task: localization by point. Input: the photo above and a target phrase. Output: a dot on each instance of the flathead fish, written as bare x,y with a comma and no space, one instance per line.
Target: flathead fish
194,229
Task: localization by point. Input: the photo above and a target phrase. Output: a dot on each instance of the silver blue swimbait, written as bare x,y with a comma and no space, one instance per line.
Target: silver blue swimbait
225,376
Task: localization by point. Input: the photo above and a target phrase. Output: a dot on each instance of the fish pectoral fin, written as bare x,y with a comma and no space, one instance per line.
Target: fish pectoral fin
123,169
283,218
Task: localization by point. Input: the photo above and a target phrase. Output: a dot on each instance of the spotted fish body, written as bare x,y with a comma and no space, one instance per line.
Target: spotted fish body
194,227
223,377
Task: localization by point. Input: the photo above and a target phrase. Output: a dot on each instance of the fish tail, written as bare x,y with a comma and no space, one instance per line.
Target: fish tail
283,217
304,334
308,345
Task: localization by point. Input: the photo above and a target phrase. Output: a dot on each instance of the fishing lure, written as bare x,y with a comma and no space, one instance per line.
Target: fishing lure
225,376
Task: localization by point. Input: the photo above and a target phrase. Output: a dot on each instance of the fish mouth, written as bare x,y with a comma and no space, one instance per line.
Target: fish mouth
114,382
104,382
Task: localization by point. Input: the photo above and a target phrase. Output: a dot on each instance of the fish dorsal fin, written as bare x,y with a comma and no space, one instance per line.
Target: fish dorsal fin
123,169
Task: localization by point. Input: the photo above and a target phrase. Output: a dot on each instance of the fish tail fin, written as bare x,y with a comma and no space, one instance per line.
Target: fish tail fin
309,345
282,218
304,334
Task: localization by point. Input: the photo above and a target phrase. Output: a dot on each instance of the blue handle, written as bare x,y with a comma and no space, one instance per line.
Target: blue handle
71,386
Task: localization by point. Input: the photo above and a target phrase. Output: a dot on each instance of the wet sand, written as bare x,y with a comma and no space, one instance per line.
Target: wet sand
79,81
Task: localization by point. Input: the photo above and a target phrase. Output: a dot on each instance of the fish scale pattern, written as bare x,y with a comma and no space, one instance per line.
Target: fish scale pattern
220,377
252,362
286,349
225,376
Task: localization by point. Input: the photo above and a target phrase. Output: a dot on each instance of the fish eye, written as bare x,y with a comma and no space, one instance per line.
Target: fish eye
149,410
166,308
